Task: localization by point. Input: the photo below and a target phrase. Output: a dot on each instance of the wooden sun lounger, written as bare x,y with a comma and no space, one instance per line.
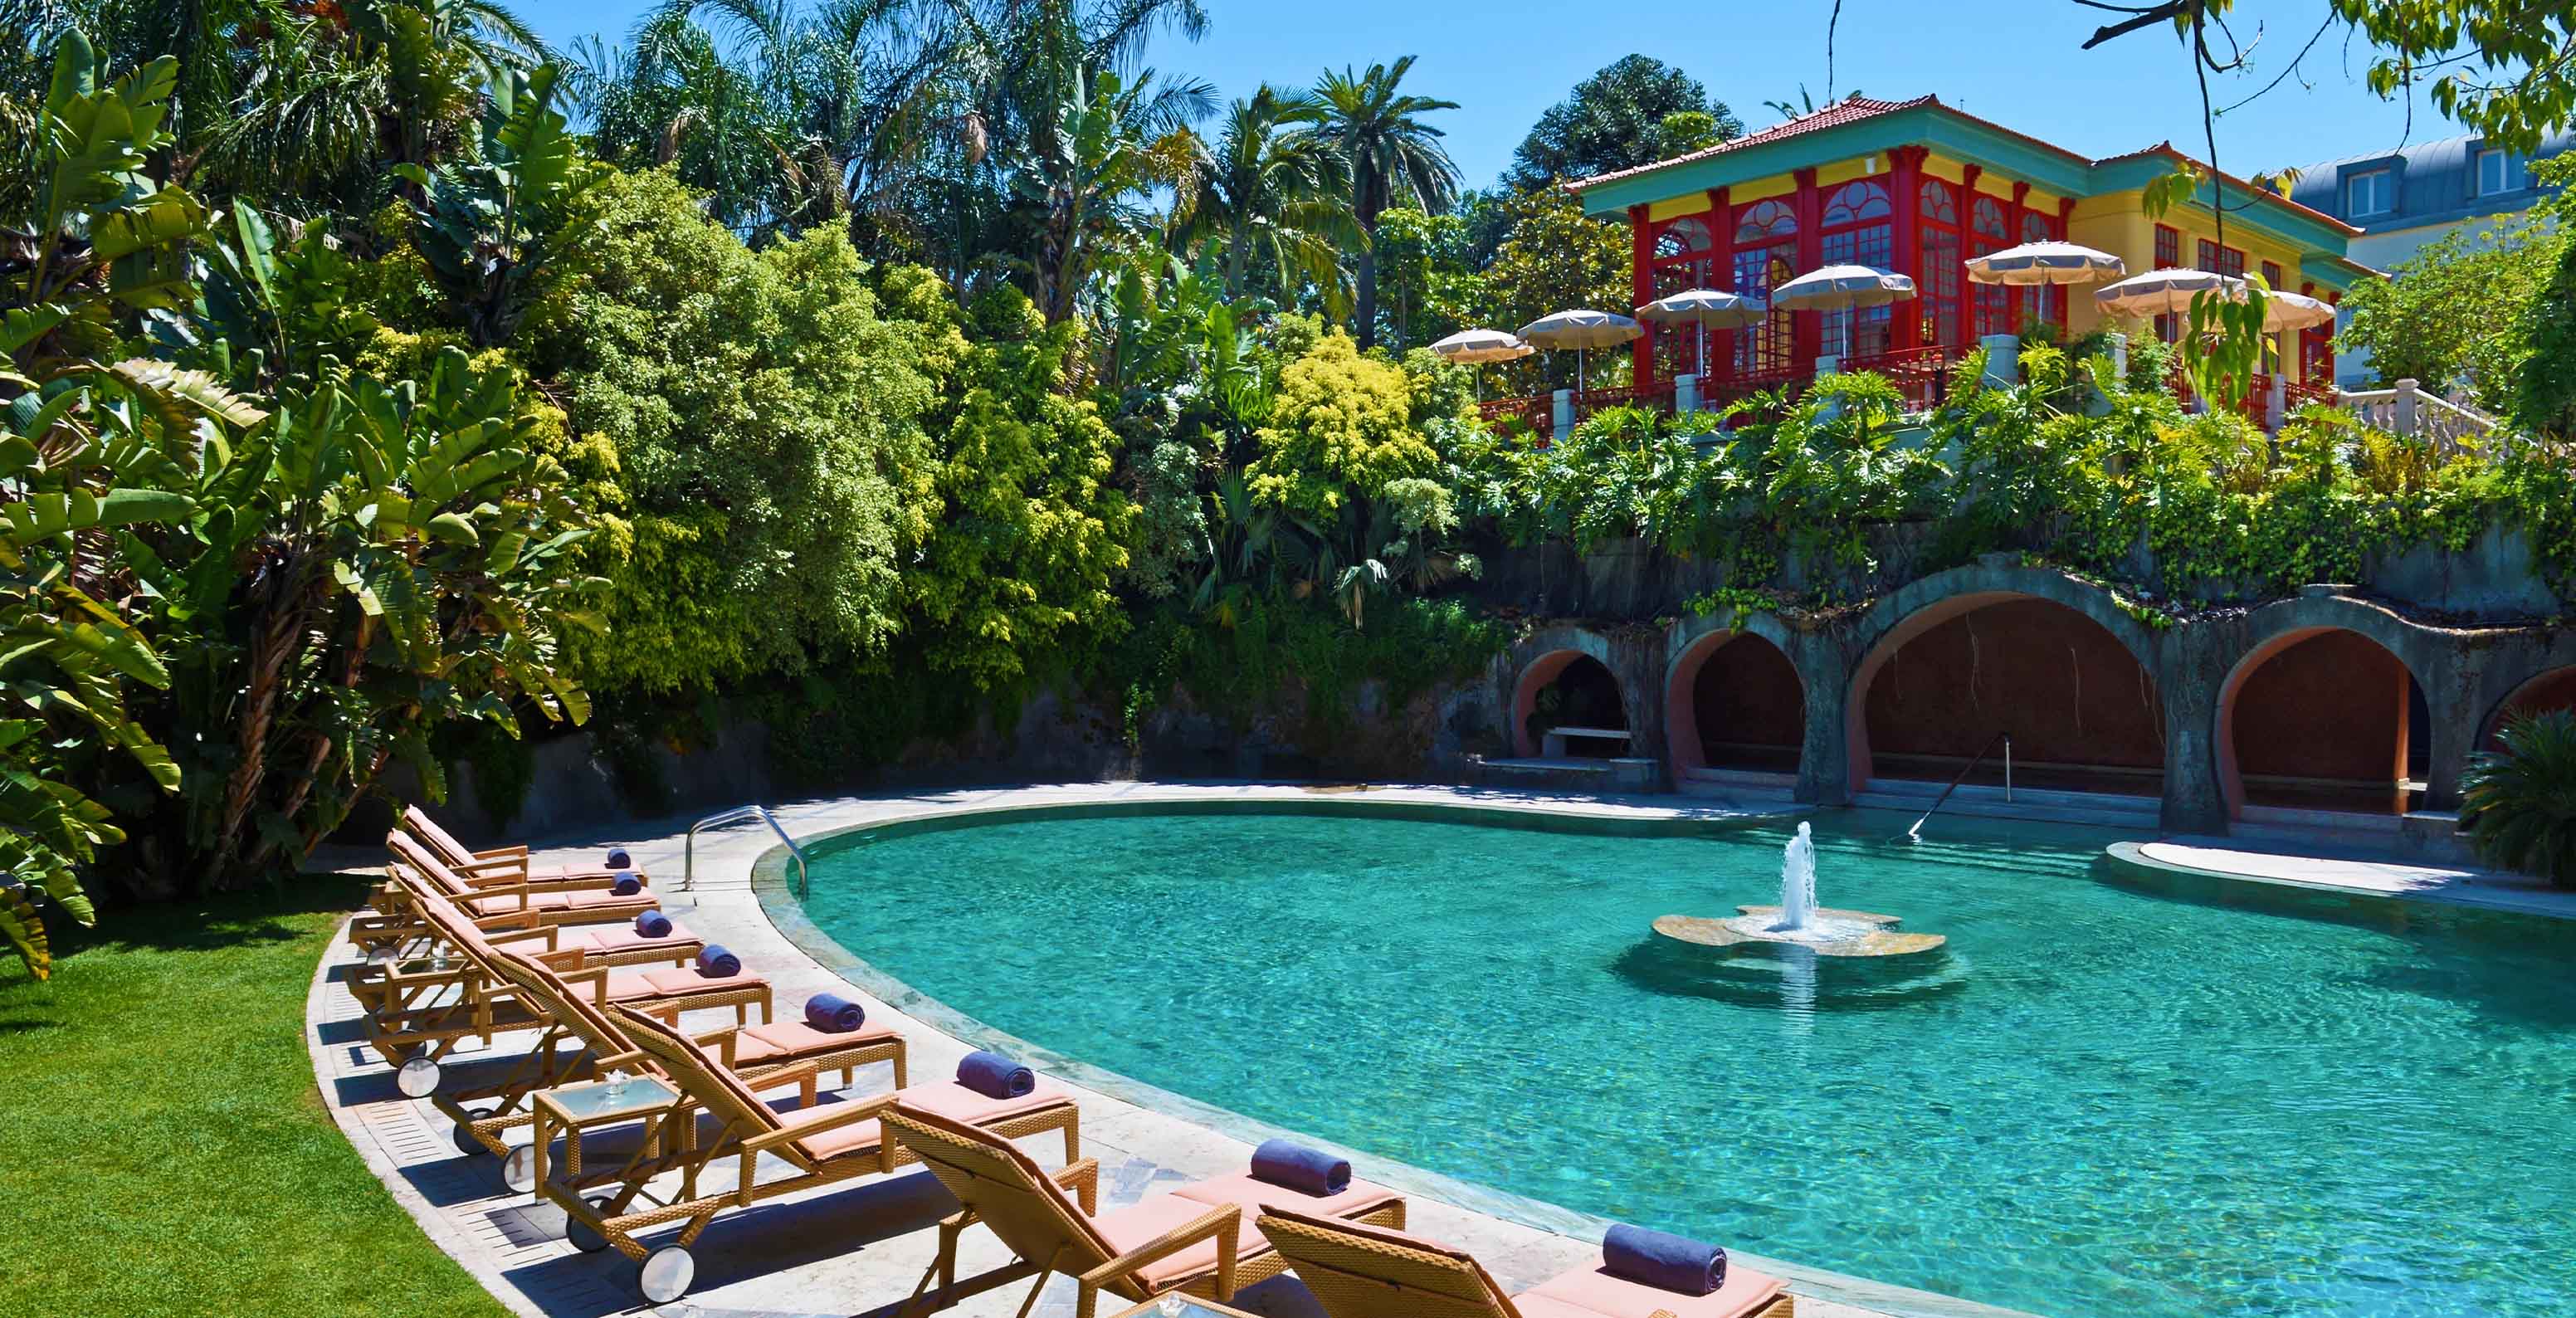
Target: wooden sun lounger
1197,1239
820,1144
488,1114
493,864
420,1011
1356,1270
577,901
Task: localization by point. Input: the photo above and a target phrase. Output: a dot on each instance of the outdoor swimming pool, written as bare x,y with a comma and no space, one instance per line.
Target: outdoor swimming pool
2103,1098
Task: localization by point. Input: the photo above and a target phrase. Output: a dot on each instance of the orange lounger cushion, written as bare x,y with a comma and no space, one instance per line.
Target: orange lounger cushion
759,1045
946,1098
673,982
1241,1190
1605,1296
623,938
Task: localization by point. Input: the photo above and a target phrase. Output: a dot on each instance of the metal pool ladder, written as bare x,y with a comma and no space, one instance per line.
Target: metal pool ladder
740,813
1915,834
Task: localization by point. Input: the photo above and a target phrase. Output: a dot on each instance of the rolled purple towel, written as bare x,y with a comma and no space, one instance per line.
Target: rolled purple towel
717,963
626,884
653,924
619,860
1662,1260
995,1076
833,1014
1293,1165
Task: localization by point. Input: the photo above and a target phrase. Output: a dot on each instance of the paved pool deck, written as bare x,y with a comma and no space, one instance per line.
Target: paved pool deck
860,1248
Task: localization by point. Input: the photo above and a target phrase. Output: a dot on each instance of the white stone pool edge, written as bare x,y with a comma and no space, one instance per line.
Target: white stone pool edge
1153,1137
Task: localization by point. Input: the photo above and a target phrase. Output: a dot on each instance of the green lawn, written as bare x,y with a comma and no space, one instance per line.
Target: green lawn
162,1146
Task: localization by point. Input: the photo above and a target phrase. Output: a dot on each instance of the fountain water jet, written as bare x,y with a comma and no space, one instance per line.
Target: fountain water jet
1797,921
1798,881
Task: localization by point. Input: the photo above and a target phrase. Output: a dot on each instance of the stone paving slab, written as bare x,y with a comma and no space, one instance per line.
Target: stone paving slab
860,1248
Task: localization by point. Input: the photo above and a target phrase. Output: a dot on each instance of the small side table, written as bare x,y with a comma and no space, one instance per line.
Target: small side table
576,1108
1191,1307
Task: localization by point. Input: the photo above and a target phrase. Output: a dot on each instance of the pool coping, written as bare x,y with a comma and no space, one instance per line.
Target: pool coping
786,913
2440,886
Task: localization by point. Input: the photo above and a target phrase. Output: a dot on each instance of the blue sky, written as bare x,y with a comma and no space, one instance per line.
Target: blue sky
1505,61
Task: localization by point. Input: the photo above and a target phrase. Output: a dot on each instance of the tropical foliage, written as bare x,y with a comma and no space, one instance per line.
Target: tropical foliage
875,369
2519,800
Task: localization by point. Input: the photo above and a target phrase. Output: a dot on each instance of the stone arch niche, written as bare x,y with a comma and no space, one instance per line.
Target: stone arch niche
2552,689
2321,717
1733,700
2076,692
1586,693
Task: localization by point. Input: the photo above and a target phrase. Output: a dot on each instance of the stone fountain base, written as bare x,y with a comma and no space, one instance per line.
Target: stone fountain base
1843,933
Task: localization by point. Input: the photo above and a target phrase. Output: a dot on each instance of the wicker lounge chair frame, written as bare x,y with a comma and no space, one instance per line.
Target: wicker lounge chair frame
1029,1210
1367,1274
745,1128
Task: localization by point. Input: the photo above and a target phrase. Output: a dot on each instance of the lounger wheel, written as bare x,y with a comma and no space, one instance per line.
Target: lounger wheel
666,1274
463,1134
519,1169
581,1234
417,1077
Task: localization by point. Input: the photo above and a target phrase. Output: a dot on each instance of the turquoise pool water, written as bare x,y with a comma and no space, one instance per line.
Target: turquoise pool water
2106,1098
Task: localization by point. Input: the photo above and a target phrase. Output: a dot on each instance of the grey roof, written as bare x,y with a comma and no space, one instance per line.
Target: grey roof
2436,184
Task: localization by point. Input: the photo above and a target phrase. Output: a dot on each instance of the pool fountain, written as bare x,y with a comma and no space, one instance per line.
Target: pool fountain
1797,921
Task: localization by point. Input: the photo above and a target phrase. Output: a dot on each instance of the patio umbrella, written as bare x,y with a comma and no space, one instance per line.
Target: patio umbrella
2165,292
2295,311
1476,347
1842,288
1581,330
1705,307
2045,263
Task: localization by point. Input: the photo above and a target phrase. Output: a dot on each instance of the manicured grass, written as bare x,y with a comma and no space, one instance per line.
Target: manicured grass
162,1146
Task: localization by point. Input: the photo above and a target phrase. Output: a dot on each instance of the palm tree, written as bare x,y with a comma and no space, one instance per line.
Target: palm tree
1393,156
1271,184
788,115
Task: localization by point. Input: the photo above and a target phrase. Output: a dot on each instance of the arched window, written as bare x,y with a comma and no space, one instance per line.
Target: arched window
1855,202
1938,273
1987,232
1857,229
1683,237
1766,219
1766,255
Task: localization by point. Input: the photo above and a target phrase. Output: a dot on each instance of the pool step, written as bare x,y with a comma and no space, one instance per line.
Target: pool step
2102,809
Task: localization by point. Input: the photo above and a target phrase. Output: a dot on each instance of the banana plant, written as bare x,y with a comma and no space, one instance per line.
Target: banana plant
375,559
492,226
91,451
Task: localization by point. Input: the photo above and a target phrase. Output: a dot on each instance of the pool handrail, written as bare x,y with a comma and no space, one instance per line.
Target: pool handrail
740,813
1916,833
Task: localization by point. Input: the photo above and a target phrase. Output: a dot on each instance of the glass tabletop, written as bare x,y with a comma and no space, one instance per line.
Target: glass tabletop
608,1098
1182,1306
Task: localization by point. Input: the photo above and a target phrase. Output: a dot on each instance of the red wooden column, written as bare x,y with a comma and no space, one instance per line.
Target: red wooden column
1806,336
1906,331
1967,325
1641,290
2014,216
1721,255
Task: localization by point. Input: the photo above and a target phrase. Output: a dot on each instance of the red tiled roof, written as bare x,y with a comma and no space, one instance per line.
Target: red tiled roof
1859,108
1850,111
